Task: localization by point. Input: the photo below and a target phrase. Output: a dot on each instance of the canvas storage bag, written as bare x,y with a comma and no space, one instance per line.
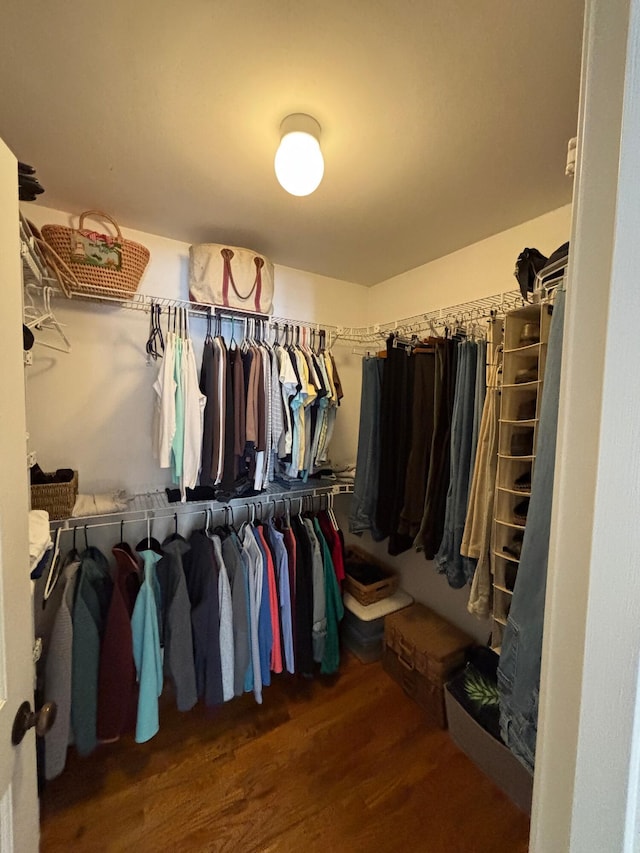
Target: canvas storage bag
231,277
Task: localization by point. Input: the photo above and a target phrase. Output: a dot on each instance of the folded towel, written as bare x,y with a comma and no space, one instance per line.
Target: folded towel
100,504
39,537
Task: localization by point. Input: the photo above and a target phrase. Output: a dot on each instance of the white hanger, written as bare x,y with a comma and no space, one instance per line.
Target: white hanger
331,513
54,566
44,319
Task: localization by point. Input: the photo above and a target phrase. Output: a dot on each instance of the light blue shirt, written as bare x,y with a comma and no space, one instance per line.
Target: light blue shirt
146,650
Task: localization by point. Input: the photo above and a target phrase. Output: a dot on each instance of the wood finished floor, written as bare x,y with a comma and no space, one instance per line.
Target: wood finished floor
342,764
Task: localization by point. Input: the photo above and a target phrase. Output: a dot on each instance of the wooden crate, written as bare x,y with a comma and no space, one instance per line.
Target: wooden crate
368,593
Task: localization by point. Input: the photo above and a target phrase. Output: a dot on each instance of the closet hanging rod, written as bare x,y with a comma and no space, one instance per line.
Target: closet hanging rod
478,309
297,497
152,505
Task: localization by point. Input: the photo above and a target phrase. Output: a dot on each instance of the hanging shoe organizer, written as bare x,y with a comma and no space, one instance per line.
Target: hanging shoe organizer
526,332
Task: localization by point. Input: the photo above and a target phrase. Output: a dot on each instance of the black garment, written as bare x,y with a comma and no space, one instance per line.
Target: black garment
229,458
202,585
200,493
421,438
304,599
439,472
207,387
396,408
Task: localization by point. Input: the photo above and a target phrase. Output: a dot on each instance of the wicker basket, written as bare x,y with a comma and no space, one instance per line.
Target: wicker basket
56,498
98,280
368,593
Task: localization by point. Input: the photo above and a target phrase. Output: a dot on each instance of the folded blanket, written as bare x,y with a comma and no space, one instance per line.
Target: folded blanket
39,538
100,504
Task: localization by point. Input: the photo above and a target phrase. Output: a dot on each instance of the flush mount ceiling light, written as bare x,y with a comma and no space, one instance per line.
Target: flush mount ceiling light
299,163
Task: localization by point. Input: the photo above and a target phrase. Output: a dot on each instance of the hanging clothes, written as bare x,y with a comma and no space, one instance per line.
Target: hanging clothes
117,689
202,586
164,417
145,627
319,633
449,560
395,444
232,556
193,414
334,610
362,513
254,562
91,605
476,539
57,664
276,541
304,615
421,438
431,529
479,397
177,637
227,653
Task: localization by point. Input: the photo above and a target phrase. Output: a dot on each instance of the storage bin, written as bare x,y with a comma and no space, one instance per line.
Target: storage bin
492,757
369,619
367,579
366,648
421,651
363,627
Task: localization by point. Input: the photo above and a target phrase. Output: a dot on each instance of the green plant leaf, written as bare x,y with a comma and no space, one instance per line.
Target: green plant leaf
480,690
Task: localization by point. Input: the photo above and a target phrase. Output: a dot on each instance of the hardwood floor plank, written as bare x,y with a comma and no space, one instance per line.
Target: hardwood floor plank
343,764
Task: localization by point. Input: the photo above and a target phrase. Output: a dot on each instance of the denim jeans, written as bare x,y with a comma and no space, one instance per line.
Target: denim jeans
519,668
448,559
481,393
362,512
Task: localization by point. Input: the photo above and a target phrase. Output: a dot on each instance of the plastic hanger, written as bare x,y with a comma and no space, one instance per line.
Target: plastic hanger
150,543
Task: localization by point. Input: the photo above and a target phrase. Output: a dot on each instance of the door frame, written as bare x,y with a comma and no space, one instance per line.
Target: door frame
19,815
586,785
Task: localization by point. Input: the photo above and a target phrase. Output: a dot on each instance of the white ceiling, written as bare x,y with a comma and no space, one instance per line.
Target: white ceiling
444,121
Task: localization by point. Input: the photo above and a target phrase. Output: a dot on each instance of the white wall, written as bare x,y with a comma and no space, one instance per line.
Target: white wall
481,269
91,409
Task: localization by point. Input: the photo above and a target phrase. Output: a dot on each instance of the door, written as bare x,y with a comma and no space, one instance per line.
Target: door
18,790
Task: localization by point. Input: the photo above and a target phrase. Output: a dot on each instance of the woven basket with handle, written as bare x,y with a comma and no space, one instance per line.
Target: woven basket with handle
98,280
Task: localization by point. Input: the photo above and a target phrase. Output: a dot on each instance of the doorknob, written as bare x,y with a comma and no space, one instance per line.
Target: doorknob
25,719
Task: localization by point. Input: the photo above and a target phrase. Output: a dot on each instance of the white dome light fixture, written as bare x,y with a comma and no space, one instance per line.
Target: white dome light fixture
299,163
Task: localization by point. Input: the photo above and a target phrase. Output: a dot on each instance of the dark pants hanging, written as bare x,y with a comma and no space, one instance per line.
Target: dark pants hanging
431,529
395,444
421,438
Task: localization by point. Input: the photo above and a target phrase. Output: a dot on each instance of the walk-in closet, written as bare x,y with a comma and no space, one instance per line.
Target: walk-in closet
318,526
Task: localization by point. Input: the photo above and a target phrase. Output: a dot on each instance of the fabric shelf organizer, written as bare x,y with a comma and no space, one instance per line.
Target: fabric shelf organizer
94,263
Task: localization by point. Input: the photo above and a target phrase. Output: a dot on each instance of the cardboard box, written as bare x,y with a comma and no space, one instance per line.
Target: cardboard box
492,757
